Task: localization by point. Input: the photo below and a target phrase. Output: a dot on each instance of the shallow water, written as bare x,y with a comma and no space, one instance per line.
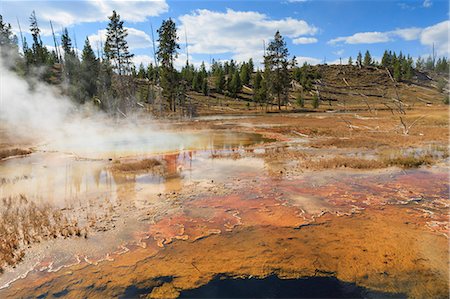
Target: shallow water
141,141
81,182
206,190
274,287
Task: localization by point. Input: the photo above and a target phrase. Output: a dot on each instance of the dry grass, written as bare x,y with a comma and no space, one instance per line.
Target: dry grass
408,161
343,162
5,153
23,223
143,165
347,142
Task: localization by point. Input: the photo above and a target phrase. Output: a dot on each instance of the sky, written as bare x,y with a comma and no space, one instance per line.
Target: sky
316,31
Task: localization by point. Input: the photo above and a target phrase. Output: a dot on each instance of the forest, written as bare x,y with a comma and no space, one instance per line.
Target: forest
109,79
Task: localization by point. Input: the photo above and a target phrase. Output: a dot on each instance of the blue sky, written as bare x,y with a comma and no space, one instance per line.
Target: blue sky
315,31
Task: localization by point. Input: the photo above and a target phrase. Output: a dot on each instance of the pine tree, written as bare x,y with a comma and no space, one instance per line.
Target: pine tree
315,102
251,66
9,49
90,68
116,46
407,68
167,53
71,61
205,87
66,42
350,61
386,59
197,81
367,59
260,89
245,74
359,59
7,38
419,63
429,64
397,71
300,100
257,81
40,54
442,65
141,72
219,80
276,69
235,84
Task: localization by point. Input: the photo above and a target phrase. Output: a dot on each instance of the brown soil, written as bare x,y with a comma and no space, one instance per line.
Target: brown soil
382,249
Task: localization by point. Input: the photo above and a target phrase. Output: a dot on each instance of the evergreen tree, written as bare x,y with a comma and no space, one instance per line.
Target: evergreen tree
203,71
429,64
251,66
205,87
276,69
116,46
167,53
257,81
9,46
152,72
315,102
71,61
300,100
359,59
407,68
260,90
367,59
40,54
420,63
442,65
7,38
397,71
386,59
235,84
245,74
89,73
141,72
66,42
197,81
350,61
219,80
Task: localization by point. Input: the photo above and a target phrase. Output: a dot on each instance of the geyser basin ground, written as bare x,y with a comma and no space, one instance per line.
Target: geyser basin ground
240,208
147,141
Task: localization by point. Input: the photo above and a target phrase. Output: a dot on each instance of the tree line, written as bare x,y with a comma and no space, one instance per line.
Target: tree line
110,80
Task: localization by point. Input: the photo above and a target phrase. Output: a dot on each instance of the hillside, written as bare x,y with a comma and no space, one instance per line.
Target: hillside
340,88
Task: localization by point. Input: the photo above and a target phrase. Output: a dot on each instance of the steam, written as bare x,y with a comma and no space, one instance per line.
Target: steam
40,114
34,110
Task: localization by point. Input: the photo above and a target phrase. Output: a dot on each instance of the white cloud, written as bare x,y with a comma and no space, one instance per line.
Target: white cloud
363,38
427,3
408,33
137,39
61,50
310,60
144,59
68,13
339,52
238,33
304,40
181,61
437,34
